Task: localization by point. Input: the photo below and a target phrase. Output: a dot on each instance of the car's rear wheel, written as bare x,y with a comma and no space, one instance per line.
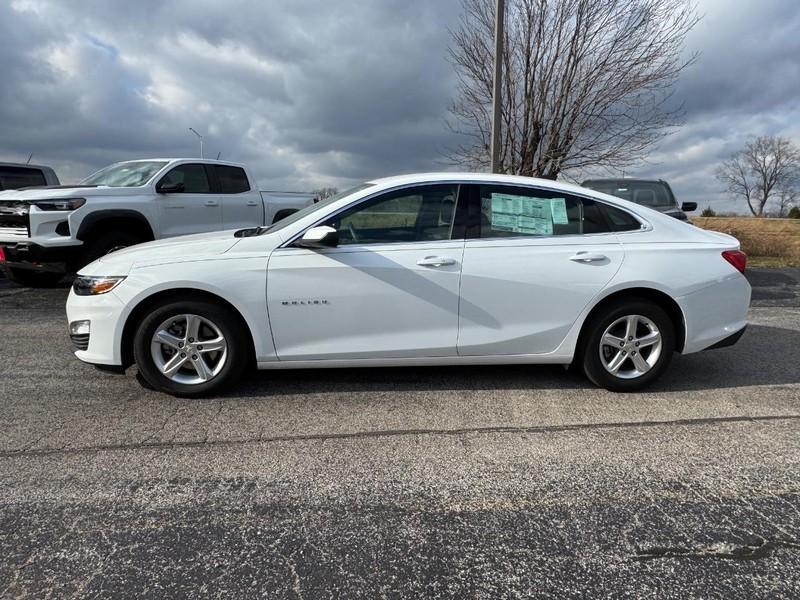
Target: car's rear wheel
191,348
628,345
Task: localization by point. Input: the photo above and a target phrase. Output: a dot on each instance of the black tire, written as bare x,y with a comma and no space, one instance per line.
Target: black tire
106,243
238,347
590,352
31,278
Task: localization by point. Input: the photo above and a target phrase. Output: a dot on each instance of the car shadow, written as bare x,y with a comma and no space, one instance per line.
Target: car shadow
764,356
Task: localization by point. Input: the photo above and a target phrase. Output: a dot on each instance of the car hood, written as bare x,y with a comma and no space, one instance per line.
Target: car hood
180,249
65,191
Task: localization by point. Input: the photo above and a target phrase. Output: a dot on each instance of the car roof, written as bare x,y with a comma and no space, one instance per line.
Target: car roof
448,176
190,159
23,165
623,180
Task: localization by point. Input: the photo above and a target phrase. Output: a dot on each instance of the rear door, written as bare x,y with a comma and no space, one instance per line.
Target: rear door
532,263
241,206
196,209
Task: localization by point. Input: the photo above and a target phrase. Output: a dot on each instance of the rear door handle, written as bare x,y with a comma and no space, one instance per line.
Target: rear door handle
212,203
435,261
588,257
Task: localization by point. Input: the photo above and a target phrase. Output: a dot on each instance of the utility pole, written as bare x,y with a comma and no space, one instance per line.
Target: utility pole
500,13
201,140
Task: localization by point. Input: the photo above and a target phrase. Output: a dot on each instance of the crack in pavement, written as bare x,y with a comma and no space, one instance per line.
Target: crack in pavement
718,551
536,429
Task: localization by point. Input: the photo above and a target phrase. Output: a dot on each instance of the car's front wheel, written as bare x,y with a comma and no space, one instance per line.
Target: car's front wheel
628,346
191,348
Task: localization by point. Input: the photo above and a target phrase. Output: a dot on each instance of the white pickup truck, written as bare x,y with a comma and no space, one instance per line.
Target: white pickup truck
46,232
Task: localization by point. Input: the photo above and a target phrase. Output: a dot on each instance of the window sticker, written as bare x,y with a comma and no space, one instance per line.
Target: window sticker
522,214
558,206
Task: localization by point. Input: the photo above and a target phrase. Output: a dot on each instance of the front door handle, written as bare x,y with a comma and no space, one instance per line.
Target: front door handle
212,203
588,257
252,203
435,261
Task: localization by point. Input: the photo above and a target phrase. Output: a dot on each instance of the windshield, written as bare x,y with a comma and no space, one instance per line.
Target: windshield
128,174
652,194
303,212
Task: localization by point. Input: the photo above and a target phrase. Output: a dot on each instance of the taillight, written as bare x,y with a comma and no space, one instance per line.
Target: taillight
737,258
2,254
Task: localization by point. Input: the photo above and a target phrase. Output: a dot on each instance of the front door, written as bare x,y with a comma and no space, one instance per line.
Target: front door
536,260
389,289
194,209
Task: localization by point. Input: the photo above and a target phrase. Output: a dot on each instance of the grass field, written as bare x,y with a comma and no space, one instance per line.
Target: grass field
767,242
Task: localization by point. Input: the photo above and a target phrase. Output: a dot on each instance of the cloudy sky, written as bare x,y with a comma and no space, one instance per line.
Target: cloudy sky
312,93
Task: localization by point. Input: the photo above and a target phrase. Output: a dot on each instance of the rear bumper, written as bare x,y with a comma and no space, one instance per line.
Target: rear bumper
716,313
30,256
729,341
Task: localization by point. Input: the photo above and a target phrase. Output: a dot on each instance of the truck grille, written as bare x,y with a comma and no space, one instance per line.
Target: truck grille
14,218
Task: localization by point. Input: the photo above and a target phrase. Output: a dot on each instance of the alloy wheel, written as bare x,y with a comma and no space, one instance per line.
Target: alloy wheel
630,346
189,349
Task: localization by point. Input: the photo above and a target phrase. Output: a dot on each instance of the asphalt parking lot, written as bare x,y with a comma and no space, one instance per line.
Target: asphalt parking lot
388,483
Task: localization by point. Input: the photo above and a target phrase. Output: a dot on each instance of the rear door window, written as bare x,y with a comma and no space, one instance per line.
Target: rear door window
232,180
509,211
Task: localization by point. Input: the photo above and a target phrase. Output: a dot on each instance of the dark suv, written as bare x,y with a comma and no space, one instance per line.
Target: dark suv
655,194
14,176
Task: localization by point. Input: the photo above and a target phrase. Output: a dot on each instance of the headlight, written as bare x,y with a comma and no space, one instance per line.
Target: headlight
60,204
92,286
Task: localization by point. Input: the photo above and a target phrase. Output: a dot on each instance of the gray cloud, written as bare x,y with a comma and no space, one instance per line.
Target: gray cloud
313,93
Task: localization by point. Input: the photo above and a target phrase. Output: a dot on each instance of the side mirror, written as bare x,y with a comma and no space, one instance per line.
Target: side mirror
322,236
169,188
689,206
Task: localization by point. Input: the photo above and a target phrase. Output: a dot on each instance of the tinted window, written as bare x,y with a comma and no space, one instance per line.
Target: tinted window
508,211
13,178
129,174
232,180
193,178
417,214
620,220
653,194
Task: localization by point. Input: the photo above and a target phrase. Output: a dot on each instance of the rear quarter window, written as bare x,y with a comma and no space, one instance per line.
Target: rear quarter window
619,220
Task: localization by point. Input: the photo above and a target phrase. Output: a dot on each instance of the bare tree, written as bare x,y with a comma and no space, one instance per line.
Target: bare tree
587,82
767,166
325,192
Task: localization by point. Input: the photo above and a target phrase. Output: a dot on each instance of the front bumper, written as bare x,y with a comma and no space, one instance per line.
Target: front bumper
30,256
103,342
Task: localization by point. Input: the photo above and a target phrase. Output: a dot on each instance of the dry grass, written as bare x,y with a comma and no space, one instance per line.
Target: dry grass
774,239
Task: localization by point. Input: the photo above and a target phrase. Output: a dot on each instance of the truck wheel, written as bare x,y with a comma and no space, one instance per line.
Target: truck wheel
30,278
107,243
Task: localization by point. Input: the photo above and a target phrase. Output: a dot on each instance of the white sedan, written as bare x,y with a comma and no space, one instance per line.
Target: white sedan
433,269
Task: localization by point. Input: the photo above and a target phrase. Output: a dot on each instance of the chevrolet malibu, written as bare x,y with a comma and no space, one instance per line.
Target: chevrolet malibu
418,270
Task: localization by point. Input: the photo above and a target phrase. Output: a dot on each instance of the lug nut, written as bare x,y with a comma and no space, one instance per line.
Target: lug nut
199,347
630,337
633,353
180,344
621,344
624,353
192,340
183,355
194,356
637,344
